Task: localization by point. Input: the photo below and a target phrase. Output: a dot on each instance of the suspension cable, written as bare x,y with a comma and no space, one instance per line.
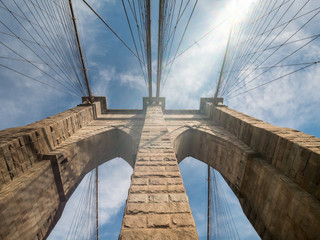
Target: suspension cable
80,52
105,23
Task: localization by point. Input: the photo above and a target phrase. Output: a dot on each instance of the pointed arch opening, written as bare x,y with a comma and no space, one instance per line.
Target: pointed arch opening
114,182
268,197
79,157
223,152
195,178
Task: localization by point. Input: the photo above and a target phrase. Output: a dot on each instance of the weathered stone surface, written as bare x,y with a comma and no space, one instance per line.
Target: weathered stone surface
182,220
174,181
159,220
149,169
157,189
160,170
178,197
280,168
135,221
138,198
157,174
157,181
139,181
172,168
158,198
159,234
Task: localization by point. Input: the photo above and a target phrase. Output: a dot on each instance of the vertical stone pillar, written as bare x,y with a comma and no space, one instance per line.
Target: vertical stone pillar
157,205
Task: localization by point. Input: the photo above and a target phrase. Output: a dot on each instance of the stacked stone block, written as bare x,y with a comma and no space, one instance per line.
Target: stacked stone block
294,153
157,205
29,198
22,147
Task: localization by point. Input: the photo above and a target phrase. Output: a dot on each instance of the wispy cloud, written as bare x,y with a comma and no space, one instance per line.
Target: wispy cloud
114,182
115,179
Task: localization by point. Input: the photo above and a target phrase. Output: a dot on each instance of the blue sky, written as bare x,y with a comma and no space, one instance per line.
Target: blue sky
113,72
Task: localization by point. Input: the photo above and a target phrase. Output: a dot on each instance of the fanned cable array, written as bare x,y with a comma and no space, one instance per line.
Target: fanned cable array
83,225
139,22
39,41
277,39
170,18
221,224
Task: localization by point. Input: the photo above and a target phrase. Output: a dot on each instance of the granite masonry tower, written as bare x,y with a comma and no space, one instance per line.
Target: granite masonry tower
274,171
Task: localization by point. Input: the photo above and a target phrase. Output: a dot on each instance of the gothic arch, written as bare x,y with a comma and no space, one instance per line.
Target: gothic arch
224,153
77,158
80,157
43,190
106,171
268,197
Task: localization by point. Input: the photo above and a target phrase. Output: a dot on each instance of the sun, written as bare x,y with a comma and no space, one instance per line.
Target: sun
231,14
238,9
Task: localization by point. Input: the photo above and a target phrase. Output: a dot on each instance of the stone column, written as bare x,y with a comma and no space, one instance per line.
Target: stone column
157,205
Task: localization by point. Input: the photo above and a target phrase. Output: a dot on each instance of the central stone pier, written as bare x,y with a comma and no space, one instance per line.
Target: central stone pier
157,205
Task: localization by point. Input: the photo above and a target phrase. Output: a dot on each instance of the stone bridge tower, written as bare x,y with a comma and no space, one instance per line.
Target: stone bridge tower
274,171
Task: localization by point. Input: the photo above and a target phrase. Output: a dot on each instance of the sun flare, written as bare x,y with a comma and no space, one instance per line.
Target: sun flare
238,9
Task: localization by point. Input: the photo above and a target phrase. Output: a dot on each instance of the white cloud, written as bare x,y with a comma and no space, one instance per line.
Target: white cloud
114,185
133,79
114,182
194,174
101,82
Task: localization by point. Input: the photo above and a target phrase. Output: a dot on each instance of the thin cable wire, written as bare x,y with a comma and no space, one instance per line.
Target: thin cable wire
41,37
105,23
167,71
222,224
273,80
269,39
